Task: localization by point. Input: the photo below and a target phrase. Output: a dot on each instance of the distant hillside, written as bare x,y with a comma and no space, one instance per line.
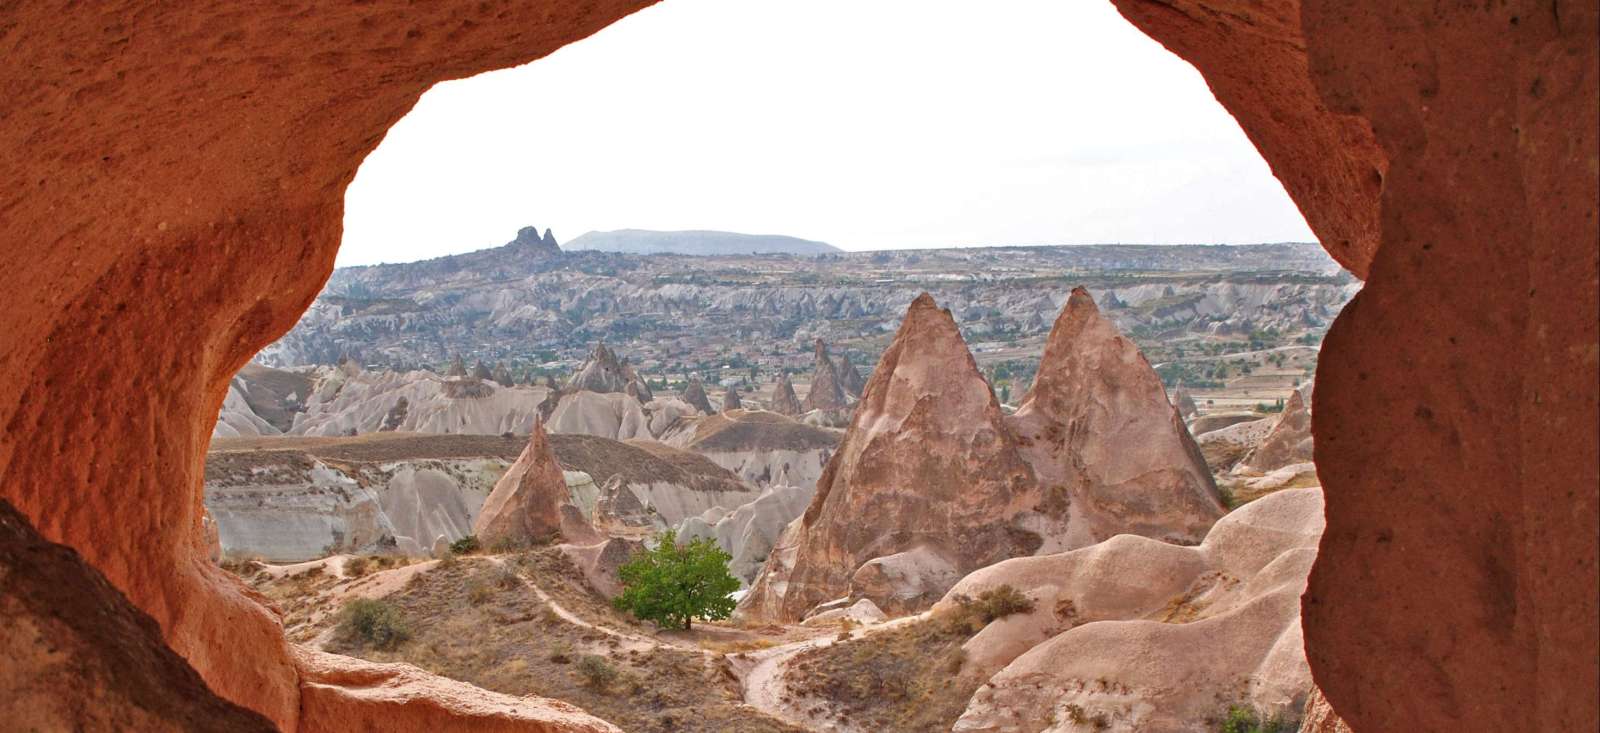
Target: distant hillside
645,242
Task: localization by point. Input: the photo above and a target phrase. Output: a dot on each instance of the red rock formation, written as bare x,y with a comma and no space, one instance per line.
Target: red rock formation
525,505
926,465
1443,151
827,389
1288,442
784,401
1109,450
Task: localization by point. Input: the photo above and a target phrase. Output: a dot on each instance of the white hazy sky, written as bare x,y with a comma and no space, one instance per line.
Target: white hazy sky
868,124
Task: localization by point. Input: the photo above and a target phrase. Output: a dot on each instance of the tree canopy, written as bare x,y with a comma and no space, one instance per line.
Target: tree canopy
674,584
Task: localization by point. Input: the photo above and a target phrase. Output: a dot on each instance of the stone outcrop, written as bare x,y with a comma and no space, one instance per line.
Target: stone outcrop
605,372
458,368
761,447
79,656
1110,453
1289,441
784,401
827,388
926,465
731,400
1440,150
481,372
525,506
695,395
1224,615
849,378
502,375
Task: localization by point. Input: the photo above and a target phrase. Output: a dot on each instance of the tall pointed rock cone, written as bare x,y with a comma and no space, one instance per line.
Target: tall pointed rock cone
525,505
784,401
849,378
922,489
695,395
1106,445
458,368
731,400
1182,400
827,389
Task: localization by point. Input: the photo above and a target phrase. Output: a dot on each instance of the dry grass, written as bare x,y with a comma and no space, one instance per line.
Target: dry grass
909,678
472,622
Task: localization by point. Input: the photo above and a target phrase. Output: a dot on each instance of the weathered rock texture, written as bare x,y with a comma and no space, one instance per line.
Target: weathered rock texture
849,378
695,395
731,400
1445,152
1289,441
525,505
1104,442
78,656
604,371
925,464
827,390
784,401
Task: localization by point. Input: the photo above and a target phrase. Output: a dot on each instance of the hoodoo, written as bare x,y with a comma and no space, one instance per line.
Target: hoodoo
1102,438
923,486
849,378
605,372
695,395
784,401
525,505
827,389
731,400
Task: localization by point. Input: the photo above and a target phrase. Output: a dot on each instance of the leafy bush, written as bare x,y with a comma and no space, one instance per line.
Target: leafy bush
674,584
465,546
368,621
596,672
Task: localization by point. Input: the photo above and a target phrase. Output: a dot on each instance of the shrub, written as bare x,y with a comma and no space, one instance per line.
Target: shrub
368,621
674,584
1244,719
464,546
596,672
355,567
996,603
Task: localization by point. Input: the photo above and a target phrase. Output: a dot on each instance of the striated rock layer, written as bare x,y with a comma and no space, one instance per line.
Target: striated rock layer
1443,151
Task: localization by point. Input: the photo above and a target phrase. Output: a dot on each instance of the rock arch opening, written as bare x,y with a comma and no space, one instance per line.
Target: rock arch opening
1445,155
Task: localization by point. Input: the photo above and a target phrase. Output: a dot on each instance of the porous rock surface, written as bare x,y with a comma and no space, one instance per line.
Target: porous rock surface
1146,635
1444,152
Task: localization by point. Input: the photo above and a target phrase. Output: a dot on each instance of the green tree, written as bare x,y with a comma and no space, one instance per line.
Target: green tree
674,584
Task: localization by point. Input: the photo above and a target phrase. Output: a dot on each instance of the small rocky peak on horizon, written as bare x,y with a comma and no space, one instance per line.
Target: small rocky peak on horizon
827,386
458,368
529,237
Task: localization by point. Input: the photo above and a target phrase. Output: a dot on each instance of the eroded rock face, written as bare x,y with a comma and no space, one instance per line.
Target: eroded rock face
926,462
731,400
695,395
784,400
1443,150
79,656
1224,615
827,390
604,371
1289,441
1111,454
525,505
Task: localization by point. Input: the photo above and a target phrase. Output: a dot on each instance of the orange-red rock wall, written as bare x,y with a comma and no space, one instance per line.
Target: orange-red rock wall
174,183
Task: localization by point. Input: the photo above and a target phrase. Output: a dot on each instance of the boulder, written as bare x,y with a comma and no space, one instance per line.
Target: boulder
860,613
